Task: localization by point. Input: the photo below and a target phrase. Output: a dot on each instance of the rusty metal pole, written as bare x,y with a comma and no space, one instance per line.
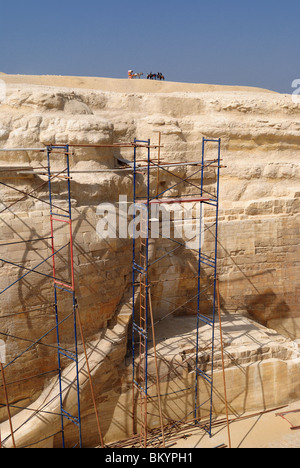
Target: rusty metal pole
90,379
223,365
156,368
7,405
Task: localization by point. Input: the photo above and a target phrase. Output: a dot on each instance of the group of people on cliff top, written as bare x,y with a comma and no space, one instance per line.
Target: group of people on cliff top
150,76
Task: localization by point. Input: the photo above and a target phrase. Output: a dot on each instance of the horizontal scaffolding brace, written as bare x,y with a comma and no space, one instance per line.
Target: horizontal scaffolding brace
121,169
70,417
63,289
5,150
59,214
138,268
68,221
212,140
209,263
212,203
140,330
63,147
140,387
137,144
173,200
205,319
67,354
204,375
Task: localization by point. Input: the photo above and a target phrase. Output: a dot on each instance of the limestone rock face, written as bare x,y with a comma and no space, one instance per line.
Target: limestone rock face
258,251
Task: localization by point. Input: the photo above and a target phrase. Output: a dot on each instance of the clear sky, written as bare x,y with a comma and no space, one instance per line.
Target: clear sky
250,43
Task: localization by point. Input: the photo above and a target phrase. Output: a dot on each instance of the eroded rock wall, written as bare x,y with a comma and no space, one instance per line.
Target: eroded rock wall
258,251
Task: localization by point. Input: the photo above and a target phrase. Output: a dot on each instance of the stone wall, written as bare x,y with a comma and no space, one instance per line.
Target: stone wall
258,250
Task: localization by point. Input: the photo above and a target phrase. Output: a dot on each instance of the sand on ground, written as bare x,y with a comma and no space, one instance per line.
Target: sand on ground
122,85
268,430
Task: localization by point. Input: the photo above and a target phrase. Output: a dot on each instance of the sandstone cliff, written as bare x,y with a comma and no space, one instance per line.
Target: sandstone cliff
260,199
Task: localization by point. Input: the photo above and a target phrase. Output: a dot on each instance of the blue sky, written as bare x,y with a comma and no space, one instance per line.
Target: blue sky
250,43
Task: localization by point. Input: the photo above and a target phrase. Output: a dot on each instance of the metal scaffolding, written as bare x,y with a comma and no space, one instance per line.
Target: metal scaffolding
57,214
143,325
64,215
146,194
58,270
